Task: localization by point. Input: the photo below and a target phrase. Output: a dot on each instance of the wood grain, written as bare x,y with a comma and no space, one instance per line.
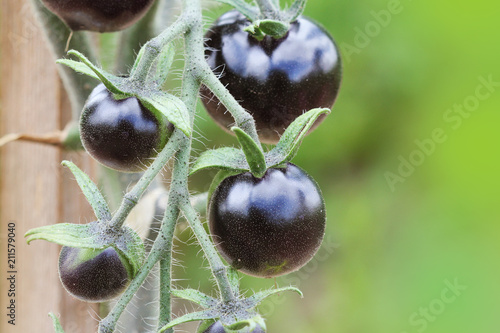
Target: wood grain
34,188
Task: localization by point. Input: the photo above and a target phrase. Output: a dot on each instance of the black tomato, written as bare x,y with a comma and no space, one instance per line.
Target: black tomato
121,134
92,275
99,15
276,80
218,328
268,226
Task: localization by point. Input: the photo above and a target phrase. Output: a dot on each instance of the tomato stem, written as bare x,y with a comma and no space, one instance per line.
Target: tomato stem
131,198
155,45
269,8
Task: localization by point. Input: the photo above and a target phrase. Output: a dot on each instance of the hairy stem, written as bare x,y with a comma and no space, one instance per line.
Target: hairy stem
268,8
131,198
160,246
155,45
216,265
242,118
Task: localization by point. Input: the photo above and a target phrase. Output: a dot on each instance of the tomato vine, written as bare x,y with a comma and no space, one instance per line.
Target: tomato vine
144,85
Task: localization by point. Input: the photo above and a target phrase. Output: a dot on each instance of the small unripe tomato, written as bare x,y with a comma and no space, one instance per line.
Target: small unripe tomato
99,15
93,275
275,80
268,226
122,134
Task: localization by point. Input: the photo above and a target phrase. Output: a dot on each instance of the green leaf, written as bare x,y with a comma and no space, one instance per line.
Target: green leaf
226,158
129,244
91,192
234,280
161,67
201,315
78,66
171,107
69,234
295,10
253,152
57,325
290,141
250,325
113,83
195,296
273,28
94,235
256,298
138,59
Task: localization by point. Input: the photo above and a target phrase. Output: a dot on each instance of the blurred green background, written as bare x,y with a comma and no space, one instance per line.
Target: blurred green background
412,240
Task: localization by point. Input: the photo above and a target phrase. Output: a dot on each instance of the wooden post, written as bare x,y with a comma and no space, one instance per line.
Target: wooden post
34,188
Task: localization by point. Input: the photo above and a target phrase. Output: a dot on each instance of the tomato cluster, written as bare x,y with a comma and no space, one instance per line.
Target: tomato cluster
276,80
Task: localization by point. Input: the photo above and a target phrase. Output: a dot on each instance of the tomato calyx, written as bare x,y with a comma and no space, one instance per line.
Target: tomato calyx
251,157
267,19
148,89
97,235
236,316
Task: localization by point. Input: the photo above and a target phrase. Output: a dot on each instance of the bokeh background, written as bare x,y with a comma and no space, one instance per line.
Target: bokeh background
408,163
413,234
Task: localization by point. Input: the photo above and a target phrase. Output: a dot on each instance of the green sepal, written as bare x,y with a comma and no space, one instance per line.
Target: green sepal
204,325
243,7
171,107
261,28
94,235
226,158
57,325
250,324
68,234
295,10
234,280
160,69
113,83
195,296
131,246
193,316
253,152
79,67
138,59
290,141
256,298
219,177
91,192
148,93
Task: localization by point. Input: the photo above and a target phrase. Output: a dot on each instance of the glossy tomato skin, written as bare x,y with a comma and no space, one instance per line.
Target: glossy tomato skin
268,226
121,134
99,15
276,80
92,275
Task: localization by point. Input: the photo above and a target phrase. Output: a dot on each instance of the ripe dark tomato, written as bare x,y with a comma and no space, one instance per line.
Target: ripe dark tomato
218,328
121,134
276,80
93,275
99,15
268,226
